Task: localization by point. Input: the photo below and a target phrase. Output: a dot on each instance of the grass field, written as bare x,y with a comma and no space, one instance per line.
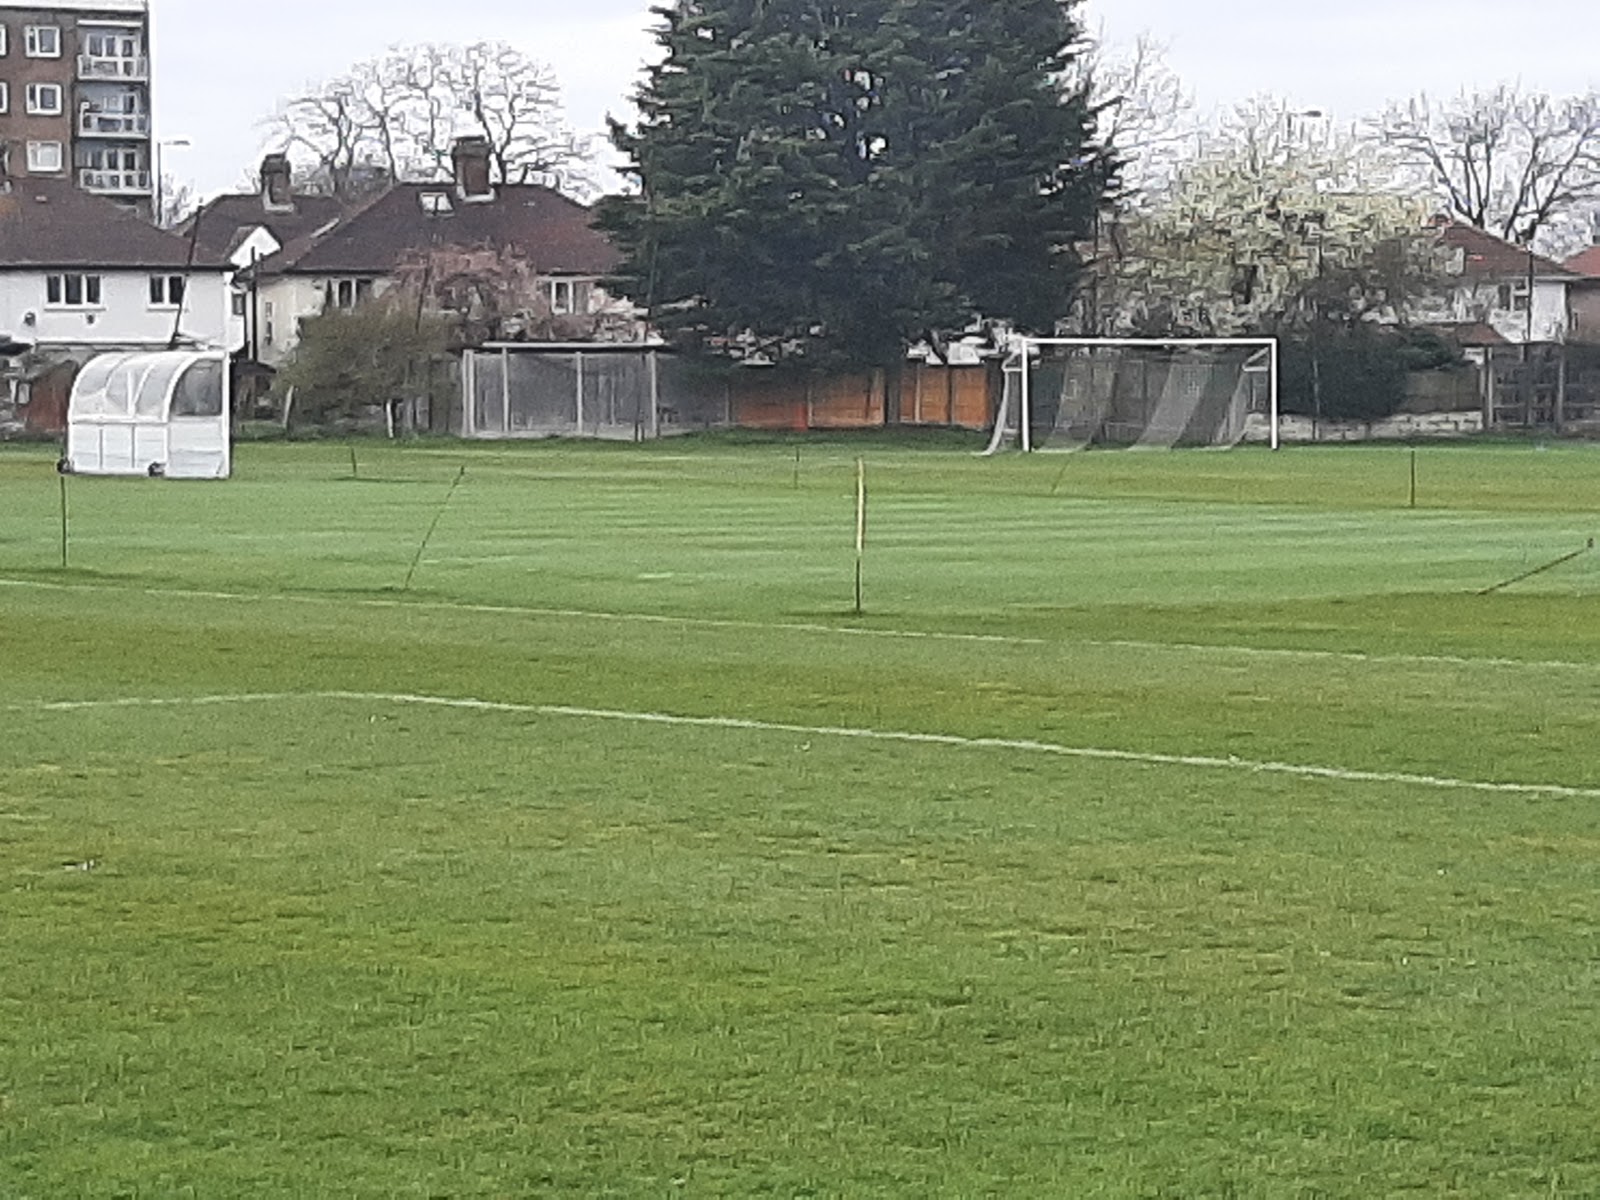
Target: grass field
1169,825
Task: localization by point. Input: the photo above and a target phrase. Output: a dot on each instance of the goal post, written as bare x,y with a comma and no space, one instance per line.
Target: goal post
1067,393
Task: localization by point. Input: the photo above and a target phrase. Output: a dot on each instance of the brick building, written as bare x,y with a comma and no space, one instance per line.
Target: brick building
75,96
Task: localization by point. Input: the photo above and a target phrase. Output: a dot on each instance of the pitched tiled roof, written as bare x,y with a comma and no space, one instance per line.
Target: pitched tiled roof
227,220
1470,333
1587,263
50,223
1486,256
551,233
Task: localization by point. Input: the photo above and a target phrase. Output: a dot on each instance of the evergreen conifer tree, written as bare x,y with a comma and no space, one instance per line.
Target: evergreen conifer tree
826,180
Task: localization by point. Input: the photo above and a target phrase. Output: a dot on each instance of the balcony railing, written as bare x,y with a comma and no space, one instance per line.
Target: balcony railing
92,66
114,183
113,124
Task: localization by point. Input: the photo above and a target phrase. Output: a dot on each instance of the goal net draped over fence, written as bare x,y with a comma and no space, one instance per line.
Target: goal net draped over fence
1068,393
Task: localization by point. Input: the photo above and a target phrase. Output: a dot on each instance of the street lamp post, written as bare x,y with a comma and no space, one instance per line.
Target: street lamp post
1289,120
1306,114
157,198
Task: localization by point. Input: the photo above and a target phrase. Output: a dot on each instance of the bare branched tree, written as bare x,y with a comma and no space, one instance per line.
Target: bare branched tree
514,103
331,127
1510,162
1145,116
395,117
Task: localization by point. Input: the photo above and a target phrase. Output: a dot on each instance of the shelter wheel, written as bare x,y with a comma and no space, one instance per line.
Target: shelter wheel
157,470
63,466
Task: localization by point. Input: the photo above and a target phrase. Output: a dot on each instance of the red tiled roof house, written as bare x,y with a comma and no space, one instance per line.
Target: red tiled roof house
299,255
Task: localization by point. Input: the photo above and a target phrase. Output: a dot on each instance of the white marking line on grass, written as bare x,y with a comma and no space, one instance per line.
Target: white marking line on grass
1349,656
1000,639
955,741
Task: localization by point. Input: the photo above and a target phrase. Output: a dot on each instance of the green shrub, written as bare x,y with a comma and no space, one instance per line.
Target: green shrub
1354,373
348,362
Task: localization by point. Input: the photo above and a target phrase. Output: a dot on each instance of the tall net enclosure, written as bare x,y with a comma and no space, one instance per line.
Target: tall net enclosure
1070,393
618,393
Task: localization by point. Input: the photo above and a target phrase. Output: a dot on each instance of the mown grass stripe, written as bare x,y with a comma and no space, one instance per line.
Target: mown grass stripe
1355,657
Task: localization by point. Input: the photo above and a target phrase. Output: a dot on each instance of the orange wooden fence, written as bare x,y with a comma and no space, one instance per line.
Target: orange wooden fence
929,395
939,395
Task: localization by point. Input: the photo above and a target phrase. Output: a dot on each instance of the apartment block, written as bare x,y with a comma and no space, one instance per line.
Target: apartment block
75,96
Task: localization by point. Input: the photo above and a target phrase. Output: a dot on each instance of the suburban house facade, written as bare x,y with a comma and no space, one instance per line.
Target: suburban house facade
75,96
1516,315
1584,302
246,230
511,261
81,275
78,273
1498,293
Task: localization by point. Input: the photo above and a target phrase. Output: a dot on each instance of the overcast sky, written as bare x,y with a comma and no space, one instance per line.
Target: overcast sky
222,65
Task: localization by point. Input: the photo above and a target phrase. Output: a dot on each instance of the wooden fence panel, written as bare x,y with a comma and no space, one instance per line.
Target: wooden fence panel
931,394
768,401
848,402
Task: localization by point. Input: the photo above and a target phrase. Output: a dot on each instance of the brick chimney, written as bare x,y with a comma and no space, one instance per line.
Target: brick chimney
277,194
470,156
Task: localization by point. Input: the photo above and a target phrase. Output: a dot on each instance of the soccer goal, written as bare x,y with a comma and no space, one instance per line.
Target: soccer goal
1069,393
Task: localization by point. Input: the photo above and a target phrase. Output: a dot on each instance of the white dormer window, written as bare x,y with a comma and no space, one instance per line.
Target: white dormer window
568,296
436,204
42,41
4,46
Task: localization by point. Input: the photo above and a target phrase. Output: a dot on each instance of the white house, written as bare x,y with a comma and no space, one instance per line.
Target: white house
1501,293
248,229
80,275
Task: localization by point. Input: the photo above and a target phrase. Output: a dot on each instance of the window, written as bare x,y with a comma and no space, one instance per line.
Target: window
111,45
44,158
44,99
1513,297
4,47
346,293
42,41
166,291
112,158
72,291
568,296
199,391
266,324
239,299
5,93
436,204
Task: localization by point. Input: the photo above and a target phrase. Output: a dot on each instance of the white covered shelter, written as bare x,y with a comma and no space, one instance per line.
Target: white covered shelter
151,414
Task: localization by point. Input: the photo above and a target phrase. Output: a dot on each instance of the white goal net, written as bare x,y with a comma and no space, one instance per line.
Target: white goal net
1069,393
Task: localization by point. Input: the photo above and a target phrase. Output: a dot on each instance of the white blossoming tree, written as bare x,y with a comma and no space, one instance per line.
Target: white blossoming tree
1278,220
